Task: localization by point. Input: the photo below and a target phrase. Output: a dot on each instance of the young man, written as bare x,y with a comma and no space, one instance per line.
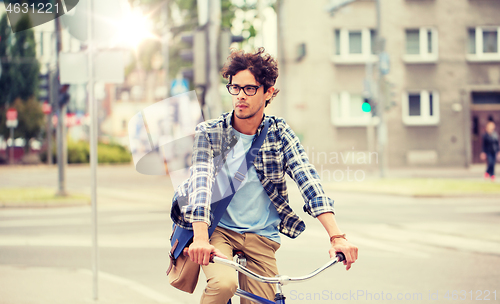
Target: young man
259,210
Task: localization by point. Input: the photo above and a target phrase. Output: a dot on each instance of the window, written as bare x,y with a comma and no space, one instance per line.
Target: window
483,44
421,45
421,108
354,46
346,110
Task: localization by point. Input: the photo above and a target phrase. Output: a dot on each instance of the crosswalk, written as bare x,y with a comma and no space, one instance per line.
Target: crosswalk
68,227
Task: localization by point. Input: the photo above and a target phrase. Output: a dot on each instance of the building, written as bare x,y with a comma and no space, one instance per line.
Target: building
442,87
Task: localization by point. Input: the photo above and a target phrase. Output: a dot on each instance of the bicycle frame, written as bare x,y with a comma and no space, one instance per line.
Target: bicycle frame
279,280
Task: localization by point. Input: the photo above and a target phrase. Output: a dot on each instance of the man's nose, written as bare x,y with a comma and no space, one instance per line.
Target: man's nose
241,94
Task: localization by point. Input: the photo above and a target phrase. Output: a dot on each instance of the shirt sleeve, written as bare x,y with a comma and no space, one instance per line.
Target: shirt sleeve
304,174
201,179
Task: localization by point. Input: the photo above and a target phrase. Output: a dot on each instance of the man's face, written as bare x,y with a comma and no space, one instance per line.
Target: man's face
248,106
490,127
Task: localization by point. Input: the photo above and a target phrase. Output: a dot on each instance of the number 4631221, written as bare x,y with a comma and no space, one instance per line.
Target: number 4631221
477,295
39,8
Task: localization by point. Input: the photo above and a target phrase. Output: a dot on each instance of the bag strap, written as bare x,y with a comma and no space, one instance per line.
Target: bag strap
238,178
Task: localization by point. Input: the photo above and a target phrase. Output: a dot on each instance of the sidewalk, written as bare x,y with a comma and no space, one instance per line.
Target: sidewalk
475,171
61,285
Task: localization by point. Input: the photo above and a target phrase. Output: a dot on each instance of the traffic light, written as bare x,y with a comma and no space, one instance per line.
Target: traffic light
43,88
369,106
197,54
64,96
225,41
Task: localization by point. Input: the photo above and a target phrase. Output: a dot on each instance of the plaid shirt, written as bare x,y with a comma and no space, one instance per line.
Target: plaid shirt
281,152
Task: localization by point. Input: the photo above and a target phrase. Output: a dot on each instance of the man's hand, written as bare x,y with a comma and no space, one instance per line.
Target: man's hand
349,250
200,252
482,156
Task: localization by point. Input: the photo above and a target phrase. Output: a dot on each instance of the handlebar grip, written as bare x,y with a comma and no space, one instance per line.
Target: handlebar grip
340,256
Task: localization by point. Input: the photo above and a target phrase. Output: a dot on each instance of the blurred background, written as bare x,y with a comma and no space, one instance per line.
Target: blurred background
390,99
427,72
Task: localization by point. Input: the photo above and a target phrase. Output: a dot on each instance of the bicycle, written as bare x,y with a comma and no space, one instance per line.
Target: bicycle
279,280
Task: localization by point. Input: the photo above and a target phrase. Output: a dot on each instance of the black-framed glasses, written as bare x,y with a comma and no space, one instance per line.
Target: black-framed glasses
235,89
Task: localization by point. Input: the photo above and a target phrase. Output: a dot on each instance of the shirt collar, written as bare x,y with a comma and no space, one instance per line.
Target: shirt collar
230,129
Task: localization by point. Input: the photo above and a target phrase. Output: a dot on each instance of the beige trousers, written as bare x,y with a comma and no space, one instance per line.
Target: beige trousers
222,281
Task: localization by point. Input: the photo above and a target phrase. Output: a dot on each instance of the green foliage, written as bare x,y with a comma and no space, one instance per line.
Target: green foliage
20,68
19,79
79,153
25,67
30,119
5,35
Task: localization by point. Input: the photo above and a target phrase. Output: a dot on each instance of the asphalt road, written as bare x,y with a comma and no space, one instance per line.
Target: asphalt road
412,250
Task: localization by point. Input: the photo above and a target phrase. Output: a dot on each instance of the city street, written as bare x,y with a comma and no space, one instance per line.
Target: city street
411,250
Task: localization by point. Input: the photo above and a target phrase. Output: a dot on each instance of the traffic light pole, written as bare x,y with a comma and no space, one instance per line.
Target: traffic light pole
382,127
213,100
62,158
12,146
93,148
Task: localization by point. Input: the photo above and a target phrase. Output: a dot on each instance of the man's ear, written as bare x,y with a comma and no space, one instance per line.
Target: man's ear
269,93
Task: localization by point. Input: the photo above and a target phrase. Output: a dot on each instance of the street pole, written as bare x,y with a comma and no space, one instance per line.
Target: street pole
369,92
93,149
11,155
52,102
62,150
166,47
382,127
213,99
282,56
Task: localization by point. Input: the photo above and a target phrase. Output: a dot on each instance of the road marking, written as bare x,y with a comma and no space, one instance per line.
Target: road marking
157,240
375,243
47,222
478,209
136,286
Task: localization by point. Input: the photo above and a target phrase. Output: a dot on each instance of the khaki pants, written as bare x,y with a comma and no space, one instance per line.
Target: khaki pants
222,281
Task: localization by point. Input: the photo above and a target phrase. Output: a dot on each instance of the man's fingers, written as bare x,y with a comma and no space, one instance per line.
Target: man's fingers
200,256
218,253
206,257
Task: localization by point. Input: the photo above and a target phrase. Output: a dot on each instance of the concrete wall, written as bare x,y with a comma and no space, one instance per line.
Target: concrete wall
311,81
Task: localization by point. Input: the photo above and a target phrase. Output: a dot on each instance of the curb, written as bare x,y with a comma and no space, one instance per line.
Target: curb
49,204
457,195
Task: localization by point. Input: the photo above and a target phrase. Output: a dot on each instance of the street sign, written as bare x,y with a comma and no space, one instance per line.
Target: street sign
11,123
11,118
109,67
179,86
11,114
385,65
46,108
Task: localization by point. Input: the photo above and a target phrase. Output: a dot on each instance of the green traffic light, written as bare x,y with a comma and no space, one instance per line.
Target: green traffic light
366,107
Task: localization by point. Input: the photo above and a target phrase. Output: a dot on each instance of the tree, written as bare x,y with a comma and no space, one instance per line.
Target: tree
19,79
30,119
5,33
25,67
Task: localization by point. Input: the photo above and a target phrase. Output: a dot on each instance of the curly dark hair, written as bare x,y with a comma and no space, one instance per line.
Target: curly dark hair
262,65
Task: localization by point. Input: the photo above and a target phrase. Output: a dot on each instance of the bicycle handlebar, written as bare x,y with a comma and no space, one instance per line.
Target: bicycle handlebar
281,279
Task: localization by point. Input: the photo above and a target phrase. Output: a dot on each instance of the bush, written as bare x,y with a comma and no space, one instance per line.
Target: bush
79,153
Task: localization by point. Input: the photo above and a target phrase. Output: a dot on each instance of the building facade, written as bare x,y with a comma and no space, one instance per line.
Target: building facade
442,85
